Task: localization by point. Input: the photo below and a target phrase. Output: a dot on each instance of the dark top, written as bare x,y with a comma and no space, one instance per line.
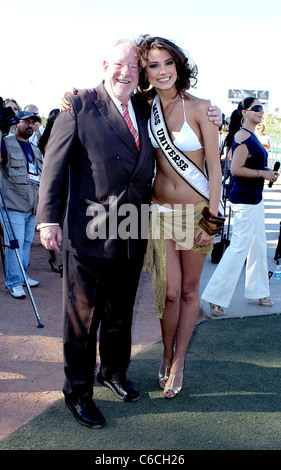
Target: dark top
249,190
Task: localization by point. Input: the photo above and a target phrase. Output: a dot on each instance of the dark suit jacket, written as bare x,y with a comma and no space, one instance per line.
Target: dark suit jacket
92,145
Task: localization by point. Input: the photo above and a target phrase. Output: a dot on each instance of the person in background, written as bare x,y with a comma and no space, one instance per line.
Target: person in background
43,140
10,102
222,147
263,138
39,130
42,145
248,241
20,169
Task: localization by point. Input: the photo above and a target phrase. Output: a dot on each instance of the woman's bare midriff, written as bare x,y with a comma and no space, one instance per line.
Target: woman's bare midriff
169,188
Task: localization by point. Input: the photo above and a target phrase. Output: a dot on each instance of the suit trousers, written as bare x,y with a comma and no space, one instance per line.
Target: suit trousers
248,243
98,294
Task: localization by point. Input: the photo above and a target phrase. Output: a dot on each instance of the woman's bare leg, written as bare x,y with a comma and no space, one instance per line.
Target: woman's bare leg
169,322
183,303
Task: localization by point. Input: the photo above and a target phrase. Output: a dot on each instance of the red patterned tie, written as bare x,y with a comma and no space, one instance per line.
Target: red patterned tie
130,124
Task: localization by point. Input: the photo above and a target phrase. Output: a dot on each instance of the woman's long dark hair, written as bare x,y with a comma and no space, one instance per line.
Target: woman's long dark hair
46,134
235,119
186,72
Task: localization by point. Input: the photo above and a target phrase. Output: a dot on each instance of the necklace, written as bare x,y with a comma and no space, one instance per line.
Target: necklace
172,108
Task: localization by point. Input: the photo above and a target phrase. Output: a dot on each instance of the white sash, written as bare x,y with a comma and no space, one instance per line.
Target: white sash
190,172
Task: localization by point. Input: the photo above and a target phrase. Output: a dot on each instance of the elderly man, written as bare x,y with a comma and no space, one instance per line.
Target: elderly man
108,169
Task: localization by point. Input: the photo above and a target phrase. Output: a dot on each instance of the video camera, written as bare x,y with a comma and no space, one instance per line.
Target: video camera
7,118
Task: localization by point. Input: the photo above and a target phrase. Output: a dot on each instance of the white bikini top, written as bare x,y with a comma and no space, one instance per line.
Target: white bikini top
186,141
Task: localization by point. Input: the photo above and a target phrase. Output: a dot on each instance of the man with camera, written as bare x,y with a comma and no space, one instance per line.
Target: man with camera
38,130
20,169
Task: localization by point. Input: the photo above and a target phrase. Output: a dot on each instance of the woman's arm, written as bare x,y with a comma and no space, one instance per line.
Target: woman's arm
211,145
210,138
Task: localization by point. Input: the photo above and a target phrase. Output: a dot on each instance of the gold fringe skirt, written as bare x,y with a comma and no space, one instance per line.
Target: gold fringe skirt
179,226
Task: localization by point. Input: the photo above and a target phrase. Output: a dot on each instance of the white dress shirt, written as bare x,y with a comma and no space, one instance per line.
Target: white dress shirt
119,107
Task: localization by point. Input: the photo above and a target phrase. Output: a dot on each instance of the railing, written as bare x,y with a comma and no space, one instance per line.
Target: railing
274,154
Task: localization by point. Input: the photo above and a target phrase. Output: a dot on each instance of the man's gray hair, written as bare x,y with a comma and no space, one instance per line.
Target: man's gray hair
132,42
118,42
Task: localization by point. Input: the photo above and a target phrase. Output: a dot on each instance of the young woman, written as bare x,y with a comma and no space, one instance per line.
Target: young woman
185,132
10,102
248,241
263,138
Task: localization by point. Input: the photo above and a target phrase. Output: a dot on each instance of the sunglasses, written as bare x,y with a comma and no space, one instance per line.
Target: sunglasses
257,108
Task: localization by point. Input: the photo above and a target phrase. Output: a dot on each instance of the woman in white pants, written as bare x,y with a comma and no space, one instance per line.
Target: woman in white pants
248,241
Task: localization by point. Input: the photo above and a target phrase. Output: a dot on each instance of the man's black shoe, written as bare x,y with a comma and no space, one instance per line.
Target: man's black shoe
87,414
123,389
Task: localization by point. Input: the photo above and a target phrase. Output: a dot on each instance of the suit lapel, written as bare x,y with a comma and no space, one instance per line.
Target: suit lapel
113,117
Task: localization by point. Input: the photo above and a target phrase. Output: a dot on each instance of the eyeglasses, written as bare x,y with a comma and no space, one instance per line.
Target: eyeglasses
257,108
120,66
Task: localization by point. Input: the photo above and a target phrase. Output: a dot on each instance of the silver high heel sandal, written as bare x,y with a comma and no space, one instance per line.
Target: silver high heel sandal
216,310
264,302
163,377
171,391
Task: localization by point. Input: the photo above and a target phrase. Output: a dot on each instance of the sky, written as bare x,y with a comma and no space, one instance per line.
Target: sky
50,46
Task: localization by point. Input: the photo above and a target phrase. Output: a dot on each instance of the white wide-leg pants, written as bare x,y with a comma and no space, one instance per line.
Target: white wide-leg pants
248,241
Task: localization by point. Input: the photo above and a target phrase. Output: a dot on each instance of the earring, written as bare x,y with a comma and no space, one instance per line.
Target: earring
146,85
243,120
